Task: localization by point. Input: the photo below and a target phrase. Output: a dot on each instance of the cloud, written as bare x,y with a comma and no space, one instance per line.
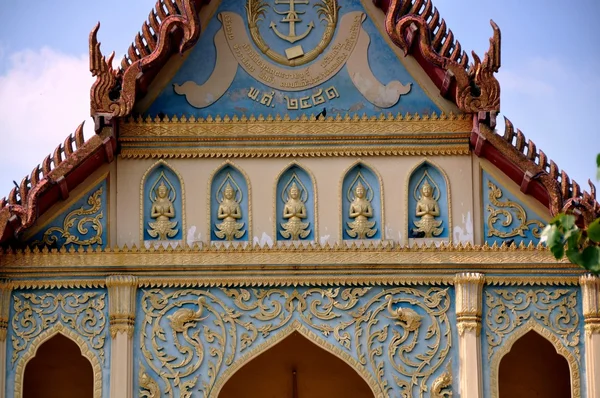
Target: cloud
44,96
537,77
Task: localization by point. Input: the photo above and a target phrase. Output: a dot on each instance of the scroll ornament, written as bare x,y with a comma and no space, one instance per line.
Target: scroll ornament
191,338
234,48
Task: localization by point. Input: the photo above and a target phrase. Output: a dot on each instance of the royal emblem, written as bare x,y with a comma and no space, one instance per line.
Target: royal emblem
291,17
327,10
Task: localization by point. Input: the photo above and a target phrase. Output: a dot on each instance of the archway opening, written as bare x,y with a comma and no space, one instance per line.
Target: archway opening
58,370
296,368
534,369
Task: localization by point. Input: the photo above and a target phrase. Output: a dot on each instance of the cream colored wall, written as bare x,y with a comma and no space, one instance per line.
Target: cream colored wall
262,174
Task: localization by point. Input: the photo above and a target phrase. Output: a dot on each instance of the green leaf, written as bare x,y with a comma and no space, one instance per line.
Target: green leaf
593,231
554,240
590,258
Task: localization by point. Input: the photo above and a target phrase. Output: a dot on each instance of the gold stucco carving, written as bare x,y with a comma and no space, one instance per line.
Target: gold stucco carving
81,312
442,386
229,211
556,341
469,287
428,209
448,194
166,223
148,386
504,209
5,294
360,210
327,11
121,303
83,219
228,332
231,203
590,297
314,191
294,211
162,210
46,335
508,310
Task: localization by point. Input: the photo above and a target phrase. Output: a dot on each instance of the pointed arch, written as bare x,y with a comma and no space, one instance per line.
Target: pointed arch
246,203
531,325
377,202
313,198
179,204
58,328
297,326
447,196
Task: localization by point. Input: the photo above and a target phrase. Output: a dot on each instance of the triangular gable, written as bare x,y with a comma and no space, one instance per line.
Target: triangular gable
252,60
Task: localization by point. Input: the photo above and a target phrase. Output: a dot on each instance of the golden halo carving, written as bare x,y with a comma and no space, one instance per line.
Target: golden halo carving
327,11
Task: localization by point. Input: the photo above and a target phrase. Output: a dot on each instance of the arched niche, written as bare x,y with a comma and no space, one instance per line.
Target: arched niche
237,225
532,345
58,370
295,367
533,368
360,173
295,176
162,219
34,348
427,173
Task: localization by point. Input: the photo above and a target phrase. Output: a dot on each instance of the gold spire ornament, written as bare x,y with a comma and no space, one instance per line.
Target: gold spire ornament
229,211
163,211
294,211
361,210
428,208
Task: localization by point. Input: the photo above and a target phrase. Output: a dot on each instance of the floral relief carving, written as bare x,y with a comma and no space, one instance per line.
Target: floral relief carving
397,338
508,310
83,313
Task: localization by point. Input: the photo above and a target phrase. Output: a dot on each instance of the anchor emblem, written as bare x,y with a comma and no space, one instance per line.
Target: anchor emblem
291,17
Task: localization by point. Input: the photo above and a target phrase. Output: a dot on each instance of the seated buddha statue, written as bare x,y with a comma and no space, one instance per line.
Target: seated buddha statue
294,211
427,209
361,210
163,211
229,211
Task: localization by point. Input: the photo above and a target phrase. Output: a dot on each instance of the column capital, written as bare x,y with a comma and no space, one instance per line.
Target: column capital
590,291
5,294
121,303
469,287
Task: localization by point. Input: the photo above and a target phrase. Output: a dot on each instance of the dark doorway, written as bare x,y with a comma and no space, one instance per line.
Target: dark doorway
318,374
58,370
534,369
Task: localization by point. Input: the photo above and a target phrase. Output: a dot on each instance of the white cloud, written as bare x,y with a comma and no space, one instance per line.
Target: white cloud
44,96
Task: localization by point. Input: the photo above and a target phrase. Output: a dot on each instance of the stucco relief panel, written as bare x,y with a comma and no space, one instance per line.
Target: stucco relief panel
398,339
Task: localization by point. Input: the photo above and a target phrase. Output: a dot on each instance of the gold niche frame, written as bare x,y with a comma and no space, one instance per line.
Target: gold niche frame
249,227
142,210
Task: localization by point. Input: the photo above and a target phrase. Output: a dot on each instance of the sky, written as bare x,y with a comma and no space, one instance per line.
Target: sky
549,86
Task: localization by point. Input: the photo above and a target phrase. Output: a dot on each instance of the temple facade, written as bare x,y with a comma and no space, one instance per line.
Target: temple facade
299,198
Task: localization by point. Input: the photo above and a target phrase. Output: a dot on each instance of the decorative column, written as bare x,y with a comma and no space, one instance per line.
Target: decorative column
5,294
469,287
121,307
590,292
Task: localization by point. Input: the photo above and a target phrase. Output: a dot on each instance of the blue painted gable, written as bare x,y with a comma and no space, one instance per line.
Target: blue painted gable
235,70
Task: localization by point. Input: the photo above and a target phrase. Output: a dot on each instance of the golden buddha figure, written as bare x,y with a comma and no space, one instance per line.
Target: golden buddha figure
427,209
229,211
361,210
294,211
163,211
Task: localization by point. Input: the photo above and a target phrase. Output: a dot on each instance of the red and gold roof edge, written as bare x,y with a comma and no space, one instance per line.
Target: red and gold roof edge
412,25
536,174
171,24
52,180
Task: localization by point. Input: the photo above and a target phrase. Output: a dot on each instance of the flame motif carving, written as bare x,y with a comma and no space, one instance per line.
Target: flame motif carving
190,338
